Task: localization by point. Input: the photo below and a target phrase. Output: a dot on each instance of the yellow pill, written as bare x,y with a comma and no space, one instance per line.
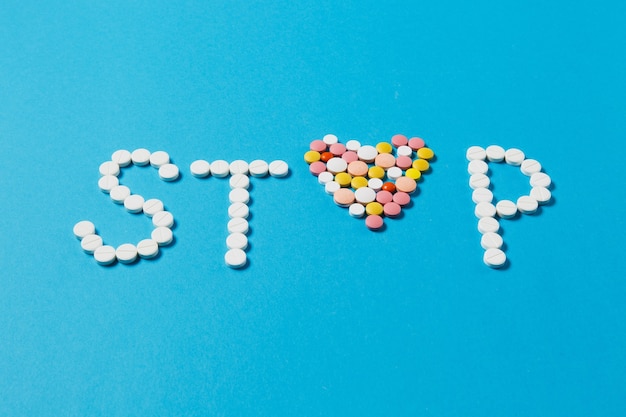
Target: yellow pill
421,164
312,156
343,178
376,172
384,147
425,153
374,208
358,182
413,173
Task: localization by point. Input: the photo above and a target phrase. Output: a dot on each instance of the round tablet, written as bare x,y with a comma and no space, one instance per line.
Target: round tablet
401,198
374,222
375,184
237,241
392,209
220,168
530,167
317,168
475,153
394,173
84,228
358,168
107,182
238,167
387,160
353,145
376,172
330,139
425,153
336,165
119,193
477,166
527,204
421,164
350,156
406,184
367,153
109,168
389,186
105,255
479,181
365,195
384,197
356,210
358,182
491,240
318,145
384,147
122,157
374,208
200,168
494,258
344,179
239,181
326,156
239,195
238,225
238,210
337,149
540,179
163,236
506,209
258,168
152,206
159,158
332,187
485,210
416,174
514,156
126,253
416,143
134,203
278,168
311,156
399,140
235,258
488,224
90,243
325,177
481,195
541,194
495,153
163,219
404,151
140,156
404,162
147,248
168,172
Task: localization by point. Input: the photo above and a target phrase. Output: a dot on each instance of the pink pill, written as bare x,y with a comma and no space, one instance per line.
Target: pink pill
318,145
350,156
337,149
392,209
416,143
404,162
399,140
374,222
317,168
401,198
384,197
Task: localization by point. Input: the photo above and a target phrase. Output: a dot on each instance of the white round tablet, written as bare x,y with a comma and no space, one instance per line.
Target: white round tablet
540,179
107,182
485,210
134,203
506,209
356,210
541,194
514,156
491,240
237,241
238,167
126,253
90,243
140,156
331,187
394,173
365,195
109,168
353,145
122,157
119,193
325,177
477,166
258,168
163,236
163,219
105,255
482,195
238,210
475,153
238,225
220,168
494,257
530,167
239,195
152,206
330,139
278,168
336,165
239,181
527,205
375,184
200,168
235,258
159,158
147,248
488,224
404,150
168,172
367,153
84,228
479,181
495,153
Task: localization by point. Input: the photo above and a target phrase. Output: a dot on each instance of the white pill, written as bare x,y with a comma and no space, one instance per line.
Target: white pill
163,219
152,206
163,236
527,205
356,210
239,195
237,241
90,243
159,158
494,257
235,258
119,193
491,240
365,195
84,228
336,165
325,177
485,210
541,194
394,173
481,195
148,248
200,168
238,225
404,150
107,182
367,153
109,168
375,184
134,203
540,179
488,224
477,166
495,153
168,172
122,157
353,145
278,168
126,253
140,156
239,181
238,167
105,255
238,210
330,139
475,153
258,168
331,187
506,209
479,181
530,167
220,168
514,156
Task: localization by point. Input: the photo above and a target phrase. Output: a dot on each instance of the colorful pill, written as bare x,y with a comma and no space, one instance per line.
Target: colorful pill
344,197
401,198
344,179
384,197
357,168
406,185
416,143
350,156
337,149
413,173
399,140
385,160
312,156
374,222
421,164
318,145
389,186
326,156
376,172
358,182
425,153
317,168
392,209
404,162
384,147
374,208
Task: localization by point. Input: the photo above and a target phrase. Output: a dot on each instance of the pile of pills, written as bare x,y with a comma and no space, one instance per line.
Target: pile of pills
486,211
162,220
239,197
372,181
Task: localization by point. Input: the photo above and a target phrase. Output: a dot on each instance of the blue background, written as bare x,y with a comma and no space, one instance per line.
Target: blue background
329,318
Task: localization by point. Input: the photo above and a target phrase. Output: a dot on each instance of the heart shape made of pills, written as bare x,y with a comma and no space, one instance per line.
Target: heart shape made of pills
372,181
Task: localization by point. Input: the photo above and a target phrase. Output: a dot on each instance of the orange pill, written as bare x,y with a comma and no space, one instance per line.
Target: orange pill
389,186
406,184
357,168
385,160
344,197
